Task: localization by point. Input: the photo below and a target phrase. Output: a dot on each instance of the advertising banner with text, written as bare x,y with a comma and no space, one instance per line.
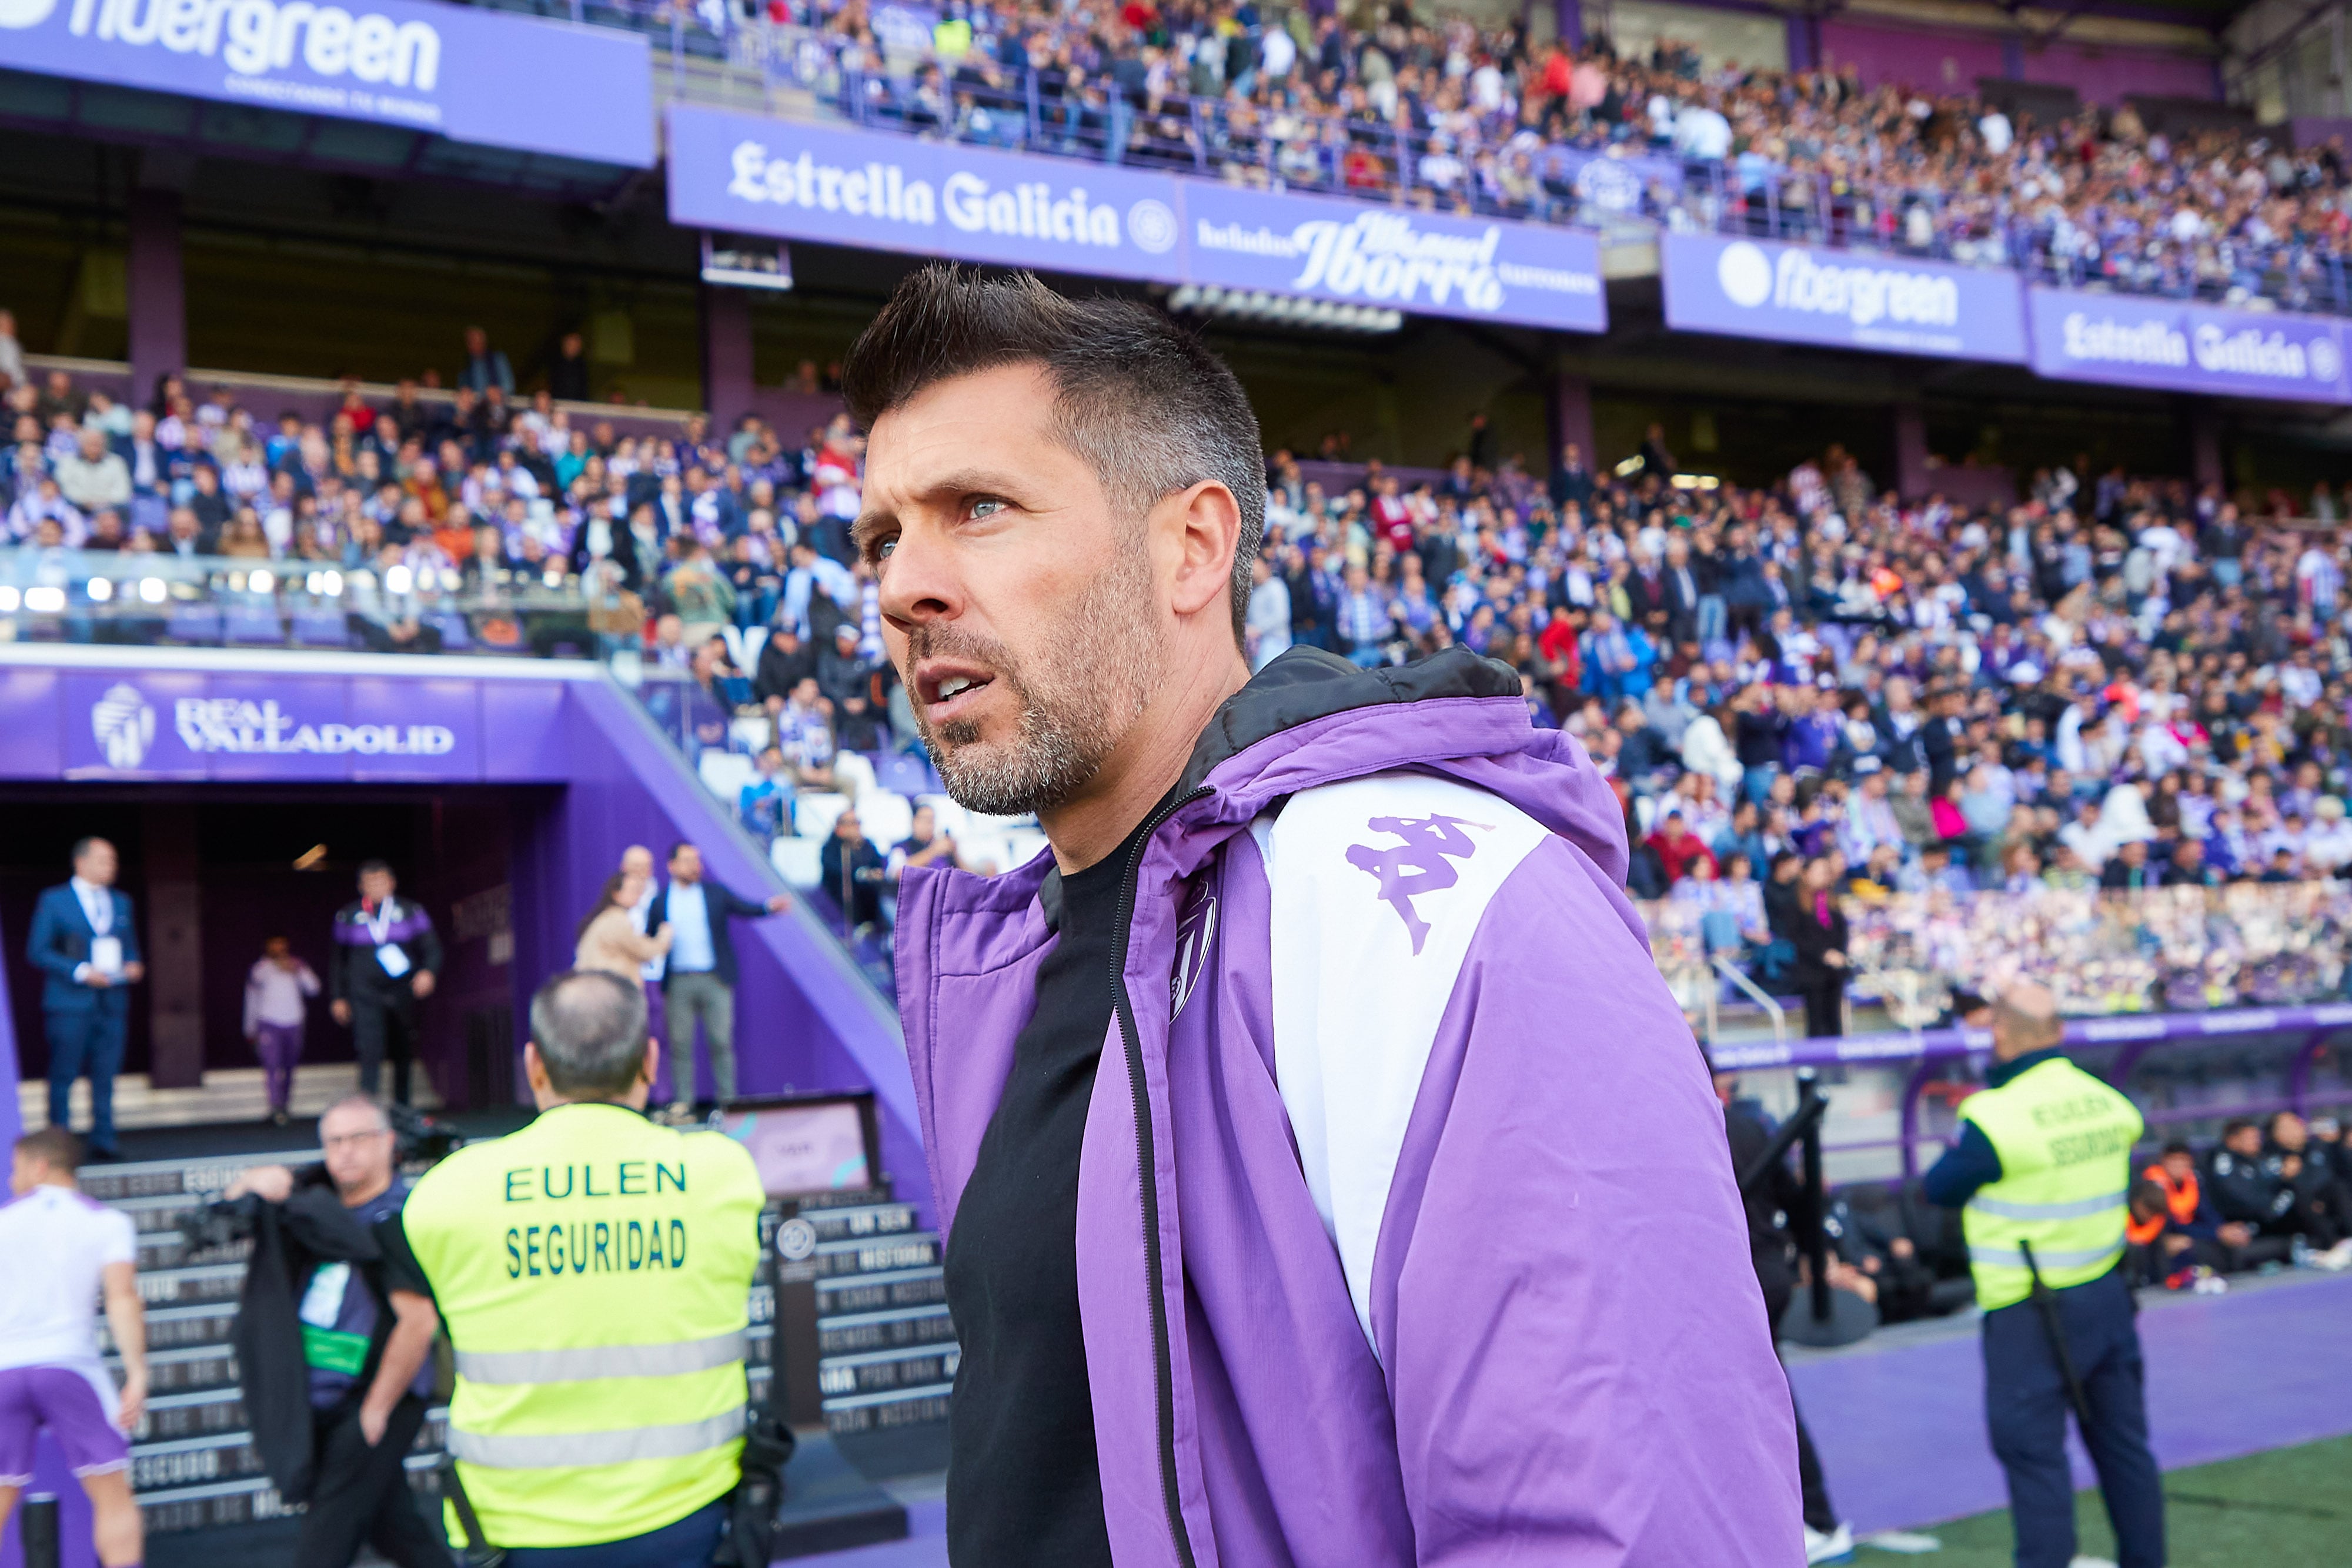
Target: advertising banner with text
477,75
1842,300
745,175
2130,340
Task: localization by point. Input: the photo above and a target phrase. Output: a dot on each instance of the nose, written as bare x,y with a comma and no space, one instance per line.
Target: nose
919,581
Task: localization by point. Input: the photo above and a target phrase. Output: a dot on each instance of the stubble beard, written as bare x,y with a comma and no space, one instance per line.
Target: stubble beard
1101,667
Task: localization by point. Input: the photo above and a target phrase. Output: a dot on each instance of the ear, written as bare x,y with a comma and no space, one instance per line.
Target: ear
534,1069
1204,523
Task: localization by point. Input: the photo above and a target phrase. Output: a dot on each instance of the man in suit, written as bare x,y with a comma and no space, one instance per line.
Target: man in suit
386,960
83,945
699,983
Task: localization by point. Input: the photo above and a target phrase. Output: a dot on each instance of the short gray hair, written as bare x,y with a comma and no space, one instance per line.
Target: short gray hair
590,1027
358,1100
1150,409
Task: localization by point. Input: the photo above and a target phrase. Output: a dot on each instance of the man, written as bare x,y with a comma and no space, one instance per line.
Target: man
485,367
92,475
1771,1250
595,1269
2043,1163
83,944
854,871
699,979
1322,999
387,959
365,1324
65,1252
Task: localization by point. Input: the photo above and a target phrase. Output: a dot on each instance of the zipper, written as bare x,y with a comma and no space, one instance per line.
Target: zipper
1163,1363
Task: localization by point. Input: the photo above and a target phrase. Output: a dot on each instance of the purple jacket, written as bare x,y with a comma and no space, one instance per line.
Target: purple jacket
1407,1231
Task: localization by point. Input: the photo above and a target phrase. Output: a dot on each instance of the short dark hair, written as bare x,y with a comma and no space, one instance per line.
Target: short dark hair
2237,1124
2176,1146
590,1027
677,845
373,865
53,1146
1139,398
82,845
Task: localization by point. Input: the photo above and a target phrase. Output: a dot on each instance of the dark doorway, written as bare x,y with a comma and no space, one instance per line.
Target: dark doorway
220,869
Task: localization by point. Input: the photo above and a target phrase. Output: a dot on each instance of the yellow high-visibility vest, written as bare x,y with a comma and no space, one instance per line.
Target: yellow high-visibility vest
594,1271
2064,1139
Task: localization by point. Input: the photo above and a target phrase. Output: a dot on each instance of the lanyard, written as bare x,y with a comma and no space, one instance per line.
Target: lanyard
379,924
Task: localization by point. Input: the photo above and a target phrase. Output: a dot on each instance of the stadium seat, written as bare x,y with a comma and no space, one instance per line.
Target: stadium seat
813,814
753,732
725,773
253,628
321,629
734,641
796,860
755,638
201,623
887,816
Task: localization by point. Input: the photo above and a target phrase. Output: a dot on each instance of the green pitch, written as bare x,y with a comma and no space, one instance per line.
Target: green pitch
2284,1508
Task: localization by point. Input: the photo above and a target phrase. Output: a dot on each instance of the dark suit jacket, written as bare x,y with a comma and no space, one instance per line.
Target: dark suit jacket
722,904
60,942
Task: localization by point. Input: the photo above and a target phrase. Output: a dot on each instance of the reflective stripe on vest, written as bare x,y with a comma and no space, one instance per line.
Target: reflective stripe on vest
553,1450
2064,1141
595,1271
2002,1209
600,1361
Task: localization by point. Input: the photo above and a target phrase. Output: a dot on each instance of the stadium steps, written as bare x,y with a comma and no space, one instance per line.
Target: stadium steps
888,1347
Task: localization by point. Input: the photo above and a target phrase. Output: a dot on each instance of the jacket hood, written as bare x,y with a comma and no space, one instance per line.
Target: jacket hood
1311,718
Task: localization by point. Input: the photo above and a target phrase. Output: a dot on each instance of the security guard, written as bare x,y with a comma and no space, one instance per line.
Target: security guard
2041,1176
595,1270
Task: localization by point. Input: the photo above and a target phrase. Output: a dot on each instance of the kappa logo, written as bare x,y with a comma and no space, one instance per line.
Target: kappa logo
1424,863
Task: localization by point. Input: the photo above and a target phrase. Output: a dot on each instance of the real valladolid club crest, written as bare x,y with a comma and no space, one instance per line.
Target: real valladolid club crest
123,723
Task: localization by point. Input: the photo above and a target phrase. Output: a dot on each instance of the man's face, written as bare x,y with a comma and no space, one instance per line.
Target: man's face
376,886
846,828
685,865
637,861
358,1147
96,864
2246,1141
2179,1166
1017,603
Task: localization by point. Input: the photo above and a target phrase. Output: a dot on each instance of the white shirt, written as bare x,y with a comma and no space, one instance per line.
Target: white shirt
690,949
97,906
58,1244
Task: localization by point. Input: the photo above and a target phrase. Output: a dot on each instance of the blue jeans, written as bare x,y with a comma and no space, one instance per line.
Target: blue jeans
86,1040
1756,783
1711,618
689,1543
2025,1407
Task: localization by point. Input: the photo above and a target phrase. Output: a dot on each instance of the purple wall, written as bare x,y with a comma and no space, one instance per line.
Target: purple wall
2104,75
1935,62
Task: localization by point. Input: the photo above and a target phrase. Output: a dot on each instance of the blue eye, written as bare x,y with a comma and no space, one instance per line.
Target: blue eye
882,552
982,508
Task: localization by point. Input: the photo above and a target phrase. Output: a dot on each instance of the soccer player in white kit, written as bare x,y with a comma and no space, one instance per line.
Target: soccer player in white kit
64,1250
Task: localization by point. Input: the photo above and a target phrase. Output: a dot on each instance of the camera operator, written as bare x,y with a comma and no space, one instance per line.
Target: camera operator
333,1340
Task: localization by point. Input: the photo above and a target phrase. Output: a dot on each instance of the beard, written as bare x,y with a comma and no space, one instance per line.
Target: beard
1097,670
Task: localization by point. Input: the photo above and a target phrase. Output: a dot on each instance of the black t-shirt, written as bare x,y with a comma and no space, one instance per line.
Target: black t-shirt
1025,1485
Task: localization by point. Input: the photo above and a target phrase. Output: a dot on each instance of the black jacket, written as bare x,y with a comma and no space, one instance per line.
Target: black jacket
721,904
289,1240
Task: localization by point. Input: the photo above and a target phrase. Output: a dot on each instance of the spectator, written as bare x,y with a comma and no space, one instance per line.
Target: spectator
93,475
701,971
610,937
486,368
855,874
1818,932
277,994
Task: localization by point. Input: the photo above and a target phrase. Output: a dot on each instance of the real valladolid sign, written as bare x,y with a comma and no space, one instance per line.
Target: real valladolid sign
744,175
587,93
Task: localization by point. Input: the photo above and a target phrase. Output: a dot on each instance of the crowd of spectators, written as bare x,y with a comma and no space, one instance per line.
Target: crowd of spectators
1391,104
2269,1193
1856,735
1825,707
